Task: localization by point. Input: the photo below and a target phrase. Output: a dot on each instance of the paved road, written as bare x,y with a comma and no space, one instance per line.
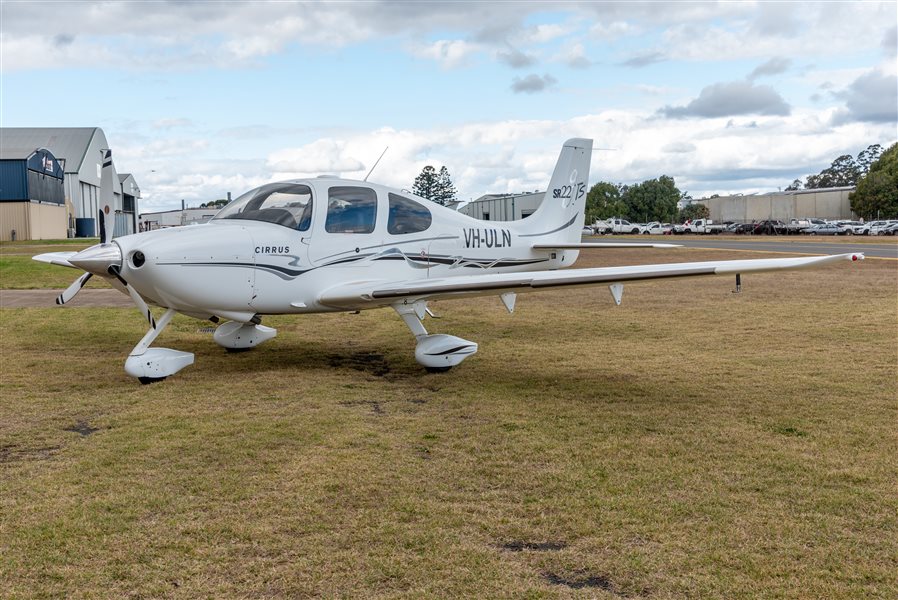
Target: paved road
47,299
771,244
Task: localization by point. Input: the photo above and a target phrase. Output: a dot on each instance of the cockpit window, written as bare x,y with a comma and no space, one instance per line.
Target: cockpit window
287,204
407,216
351,210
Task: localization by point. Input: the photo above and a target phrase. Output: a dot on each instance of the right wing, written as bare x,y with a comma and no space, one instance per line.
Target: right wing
371,293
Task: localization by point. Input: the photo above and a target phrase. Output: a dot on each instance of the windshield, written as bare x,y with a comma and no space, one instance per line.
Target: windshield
287,204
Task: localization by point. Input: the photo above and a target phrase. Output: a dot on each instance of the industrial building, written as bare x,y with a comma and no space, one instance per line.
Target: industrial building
32,200
824,203
175,218
80,151
503,207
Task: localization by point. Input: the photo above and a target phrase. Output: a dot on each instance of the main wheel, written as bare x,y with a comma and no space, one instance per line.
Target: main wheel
437,369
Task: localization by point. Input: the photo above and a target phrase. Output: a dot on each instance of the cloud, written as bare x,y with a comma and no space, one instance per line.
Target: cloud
774,66
322,156
449,53
679,147
532,83
171,123
872,97
514,58
644,59
730,99
574,56
890,41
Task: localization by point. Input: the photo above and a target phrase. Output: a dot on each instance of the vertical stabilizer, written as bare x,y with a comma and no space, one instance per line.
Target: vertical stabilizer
561,215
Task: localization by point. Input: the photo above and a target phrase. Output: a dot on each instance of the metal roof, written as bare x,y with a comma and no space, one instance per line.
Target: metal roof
69,143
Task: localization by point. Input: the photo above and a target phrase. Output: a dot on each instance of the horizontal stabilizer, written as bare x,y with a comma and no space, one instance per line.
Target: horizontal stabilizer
593,245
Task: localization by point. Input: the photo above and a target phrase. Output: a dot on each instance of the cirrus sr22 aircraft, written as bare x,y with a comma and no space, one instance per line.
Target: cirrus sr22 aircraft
328,244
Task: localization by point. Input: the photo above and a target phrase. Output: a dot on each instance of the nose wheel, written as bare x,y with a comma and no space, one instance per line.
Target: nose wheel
150,365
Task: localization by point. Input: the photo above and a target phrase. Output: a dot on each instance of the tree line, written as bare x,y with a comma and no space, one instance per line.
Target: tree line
651,200
873,172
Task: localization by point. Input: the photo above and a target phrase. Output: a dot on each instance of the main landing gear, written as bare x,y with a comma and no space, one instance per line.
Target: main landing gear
437,352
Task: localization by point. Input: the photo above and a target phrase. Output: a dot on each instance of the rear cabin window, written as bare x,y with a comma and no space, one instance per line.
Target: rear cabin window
351,210
407,216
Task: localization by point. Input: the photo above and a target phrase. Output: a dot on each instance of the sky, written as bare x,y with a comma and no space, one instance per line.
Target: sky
198,99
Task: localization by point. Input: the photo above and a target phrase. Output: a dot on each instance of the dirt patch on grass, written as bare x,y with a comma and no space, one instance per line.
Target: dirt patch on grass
82,428
519,546
12,453
369,362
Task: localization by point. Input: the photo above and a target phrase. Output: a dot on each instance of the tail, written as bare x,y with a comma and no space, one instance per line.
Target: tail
562,213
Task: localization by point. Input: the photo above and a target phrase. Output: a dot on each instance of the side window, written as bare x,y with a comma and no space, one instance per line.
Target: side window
407,216
287,204
351,210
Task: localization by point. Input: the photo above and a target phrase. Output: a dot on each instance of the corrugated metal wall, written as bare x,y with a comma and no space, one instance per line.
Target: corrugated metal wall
13,182
32,221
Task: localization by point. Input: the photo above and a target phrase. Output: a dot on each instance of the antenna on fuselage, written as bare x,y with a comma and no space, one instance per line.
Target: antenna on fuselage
375,164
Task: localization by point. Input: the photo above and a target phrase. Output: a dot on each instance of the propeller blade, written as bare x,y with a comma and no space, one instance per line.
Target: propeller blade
73,289
137,298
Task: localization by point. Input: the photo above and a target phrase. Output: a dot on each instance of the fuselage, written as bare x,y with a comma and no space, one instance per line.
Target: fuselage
276,249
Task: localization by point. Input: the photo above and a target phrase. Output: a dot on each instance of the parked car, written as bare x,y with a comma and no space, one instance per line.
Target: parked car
871,227
769,227
656,228
699,226
826,229
891,229
616,226
588,231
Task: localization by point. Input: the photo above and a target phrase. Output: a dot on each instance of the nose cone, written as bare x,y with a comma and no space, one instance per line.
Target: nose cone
97,259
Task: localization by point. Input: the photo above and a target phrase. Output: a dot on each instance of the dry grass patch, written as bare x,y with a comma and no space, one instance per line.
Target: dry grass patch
691,442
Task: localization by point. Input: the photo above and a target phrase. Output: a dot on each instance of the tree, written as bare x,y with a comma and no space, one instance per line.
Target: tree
653,200
433,185
876,195
844,171
694,211
603,200
426,183
445,191
214,203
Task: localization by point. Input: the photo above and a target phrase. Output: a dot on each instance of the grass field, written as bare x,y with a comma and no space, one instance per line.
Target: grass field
689,443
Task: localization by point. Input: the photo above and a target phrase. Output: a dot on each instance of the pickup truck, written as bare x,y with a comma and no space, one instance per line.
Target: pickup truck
616,226
699,226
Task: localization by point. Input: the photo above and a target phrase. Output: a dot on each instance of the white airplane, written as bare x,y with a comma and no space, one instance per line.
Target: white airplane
329,244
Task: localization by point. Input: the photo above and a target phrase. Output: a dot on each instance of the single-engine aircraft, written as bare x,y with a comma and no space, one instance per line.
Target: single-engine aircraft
328,244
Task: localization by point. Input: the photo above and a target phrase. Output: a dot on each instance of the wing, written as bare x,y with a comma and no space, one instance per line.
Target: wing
588,246
369,294
56,258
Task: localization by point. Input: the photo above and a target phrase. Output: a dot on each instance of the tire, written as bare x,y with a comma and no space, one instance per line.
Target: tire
634,231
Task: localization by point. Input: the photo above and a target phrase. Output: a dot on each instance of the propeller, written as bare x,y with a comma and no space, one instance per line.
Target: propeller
115,270
73,289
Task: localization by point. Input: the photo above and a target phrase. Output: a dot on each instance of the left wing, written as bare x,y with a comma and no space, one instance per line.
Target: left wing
373,293
590,245
56,258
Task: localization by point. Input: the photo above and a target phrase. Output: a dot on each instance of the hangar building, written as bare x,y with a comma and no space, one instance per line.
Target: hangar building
176,218
78,149
824,203
32,200
503,207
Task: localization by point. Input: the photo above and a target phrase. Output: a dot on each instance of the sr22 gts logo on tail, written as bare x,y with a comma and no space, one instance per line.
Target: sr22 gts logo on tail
567,191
